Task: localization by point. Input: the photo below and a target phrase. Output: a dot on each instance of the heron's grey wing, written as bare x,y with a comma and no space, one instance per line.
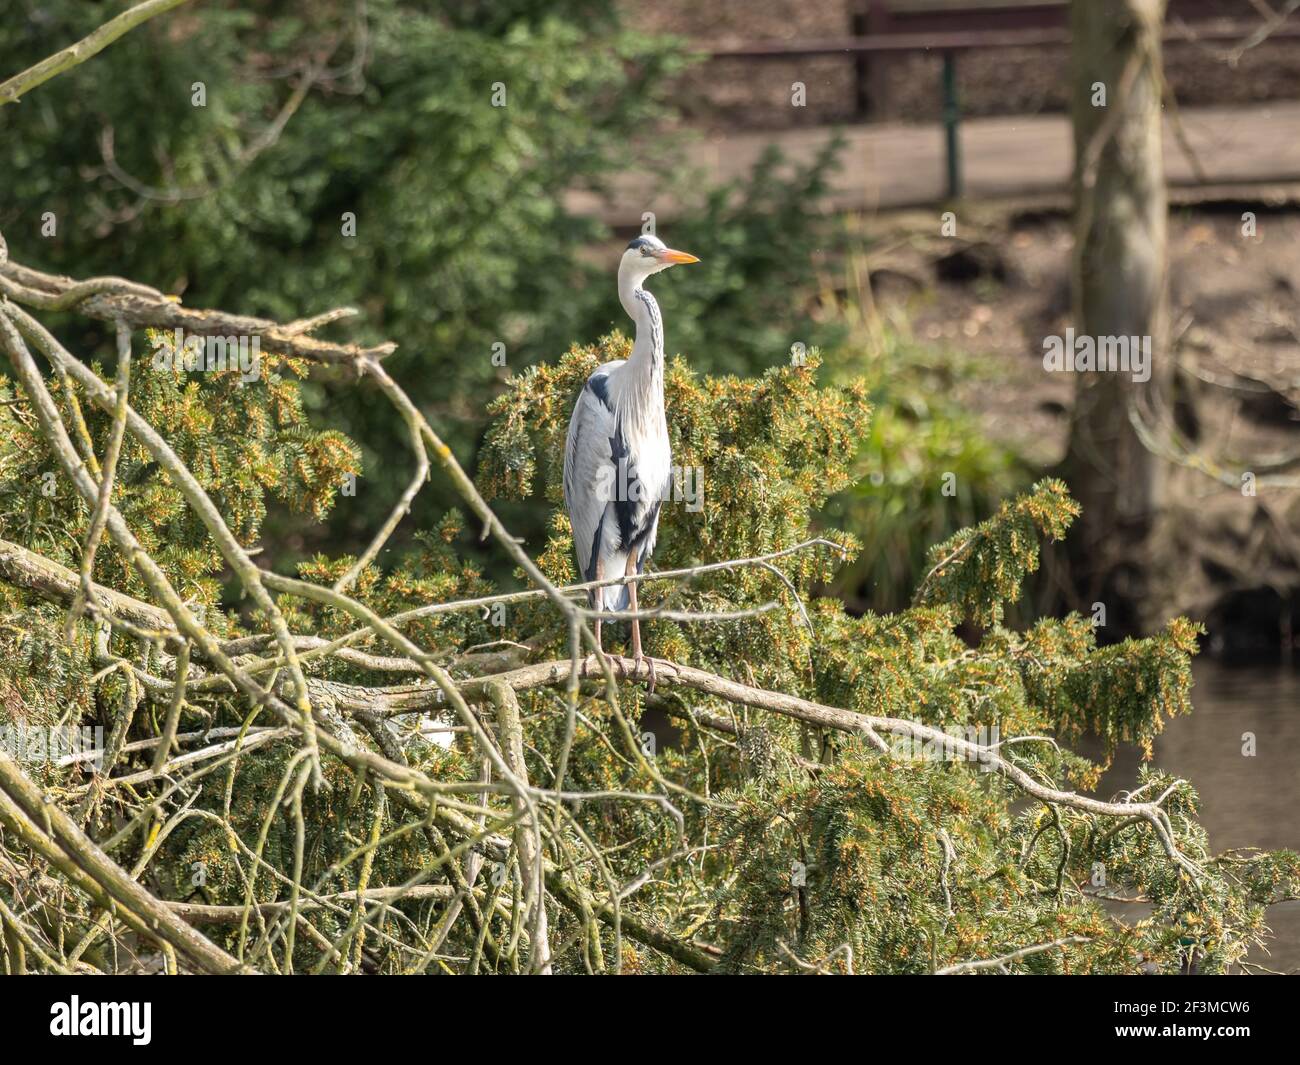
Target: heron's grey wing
589,469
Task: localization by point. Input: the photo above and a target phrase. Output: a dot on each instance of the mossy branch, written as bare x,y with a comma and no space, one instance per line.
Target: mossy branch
76,54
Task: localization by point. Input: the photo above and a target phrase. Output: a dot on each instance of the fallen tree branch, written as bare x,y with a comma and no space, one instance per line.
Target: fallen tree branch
415,698
44,826
58,584
869,726
202,913
76,54
112,300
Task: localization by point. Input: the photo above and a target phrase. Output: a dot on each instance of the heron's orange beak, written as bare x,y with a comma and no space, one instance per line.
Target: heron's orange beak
670,256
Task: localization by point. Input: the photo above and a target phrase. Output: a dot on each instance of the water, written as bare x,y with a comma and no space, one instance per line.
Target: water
1245,801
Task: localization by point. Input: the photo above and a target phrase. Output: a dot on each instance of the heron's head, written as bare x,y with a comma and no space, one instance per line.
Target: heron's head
648,255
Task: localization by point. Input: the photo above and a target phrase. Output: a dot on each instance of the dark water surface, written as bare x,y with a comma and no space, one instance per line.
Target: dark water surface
1245,801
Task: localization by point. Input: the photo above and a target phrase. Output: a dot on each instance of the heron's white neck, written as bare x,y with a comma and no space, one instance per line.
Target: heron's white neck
646,363
639,391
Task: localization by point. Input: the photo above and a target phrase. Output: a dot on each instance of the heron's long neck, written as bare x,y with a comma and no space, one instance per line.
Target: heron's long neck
645,366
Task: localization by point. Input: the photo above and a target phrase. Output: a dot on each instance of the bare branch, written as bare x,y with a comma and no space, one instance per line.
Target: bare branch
76,54
1015,955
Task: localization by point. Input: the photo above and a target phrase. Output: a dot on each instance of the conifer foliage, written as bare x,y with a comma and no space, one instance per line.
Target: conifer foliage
805,791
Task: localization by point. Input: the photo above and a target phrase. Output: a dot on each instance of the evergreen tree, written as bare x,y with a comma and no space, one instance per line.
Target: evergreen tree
778,841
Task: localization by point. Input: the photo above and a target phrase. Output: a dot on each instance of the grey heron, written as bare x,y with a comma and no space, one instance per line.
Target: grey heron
617,459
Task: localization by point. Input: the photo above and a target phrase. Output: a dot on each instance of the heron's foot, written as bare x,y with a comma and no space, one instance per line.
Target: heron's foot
650,669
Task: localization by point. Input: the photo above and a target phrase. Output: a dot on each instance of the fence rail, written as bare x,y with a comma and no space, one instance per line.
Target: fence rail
884,39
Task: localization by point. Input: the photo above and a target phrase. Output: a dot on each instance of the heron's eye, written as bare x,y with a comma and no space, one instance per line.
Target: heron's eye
646,252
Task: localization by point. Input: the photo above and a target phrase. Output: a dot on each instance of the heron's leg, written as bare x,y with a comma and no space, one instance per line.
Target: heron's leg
595,599
637,656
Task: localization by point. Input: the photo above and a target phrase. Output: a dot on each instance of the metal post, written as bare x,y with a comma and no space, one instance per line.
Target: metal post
862,102
951,118
878,22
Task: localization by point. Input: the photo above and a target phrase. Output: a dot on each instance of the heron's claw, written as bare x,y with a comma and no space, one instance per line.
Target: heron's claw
650,671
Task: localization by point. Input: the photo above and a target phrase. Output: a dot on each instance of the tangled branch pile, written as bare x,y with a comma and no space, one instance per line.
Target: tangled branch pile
402,768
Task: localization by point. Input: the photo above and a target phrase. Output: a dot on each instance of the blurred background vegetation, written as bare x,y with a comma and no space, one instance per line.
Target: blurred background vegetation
464,238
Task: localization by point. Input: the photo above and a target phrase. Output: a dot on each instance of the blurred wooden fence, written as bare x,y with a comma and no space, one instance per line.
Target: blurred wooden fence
884,28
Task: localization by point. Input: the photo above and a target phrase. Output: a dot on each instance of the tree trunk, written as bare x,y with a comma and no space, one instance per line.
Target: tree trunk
1119,291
